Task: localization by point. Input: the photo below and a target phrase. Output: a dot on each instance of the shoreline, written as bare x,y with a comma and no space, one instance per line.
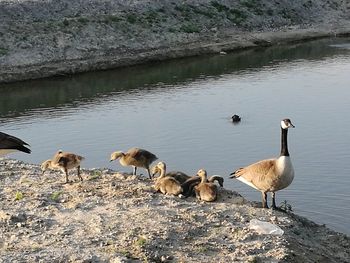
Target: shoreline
64,37
241,41
116,217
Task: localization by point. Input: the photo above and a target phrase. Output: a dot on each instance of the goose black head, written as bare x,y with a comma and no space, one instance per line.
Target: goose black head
286,124
236,118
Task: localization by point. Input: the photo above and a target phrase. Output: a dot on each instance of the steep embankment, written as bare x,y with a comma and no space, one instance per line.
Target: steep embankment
113,217
44,38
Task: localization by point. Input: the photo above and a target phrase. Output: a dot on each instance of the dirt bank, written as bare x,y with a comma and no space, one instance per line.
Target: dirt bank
115,217
45,38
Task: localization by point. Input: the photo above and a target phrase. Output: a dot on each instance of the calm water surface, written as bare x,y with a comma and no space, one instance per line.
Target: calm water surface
181,111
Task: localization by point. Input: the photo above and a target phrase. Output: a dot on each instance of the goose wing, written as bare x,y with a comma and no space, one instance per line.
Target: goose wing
258,175
70,159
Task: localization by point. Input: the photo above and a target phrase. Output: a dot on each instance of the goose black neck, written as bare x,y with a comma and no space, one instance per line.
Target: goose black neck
284,144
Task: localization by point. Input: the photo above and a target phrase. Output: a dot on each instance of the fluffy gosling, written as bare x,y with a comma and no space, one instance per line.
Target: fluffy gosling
135,157
166,184
205,191
63,161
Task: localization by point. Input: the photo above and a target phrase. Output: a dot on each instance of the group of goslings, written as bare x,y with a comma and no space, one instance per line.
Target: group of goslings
270,175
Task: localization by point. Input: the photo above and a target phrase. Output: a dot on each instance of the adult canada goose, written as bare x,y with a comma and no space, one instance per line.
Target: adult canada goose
270,175
205,191
166,184
63,161
9,143
178,176
135,157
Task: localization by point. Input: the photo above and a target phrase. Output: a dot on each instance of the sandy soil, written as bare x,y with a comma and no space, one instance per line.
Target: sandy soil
117,217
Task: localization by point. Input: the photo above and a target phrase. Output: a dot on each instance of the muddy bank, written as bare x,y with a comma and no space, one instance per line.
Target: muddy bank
46,38
117,217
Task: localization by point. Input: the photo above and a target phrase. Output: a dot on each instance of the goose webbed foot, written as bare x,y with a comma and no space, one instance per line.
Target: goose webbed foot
273,205
276,208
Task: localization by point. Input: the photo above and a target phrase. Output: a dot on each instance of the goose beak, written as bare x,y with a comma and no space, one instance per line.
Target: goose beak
111,160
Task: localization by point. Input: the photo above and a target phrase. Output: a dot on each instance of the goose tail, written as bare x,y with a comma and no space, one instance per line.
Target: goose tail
236,173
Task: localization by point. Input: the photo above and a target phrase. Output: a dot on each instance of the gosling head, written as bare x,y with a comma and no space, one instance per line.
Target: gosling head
115,156
286,124
202,173
45,165
158,168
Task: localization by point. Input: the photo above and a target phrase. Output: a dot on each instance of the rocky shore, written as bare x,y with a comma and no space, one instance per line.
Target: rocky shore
41,38
116,217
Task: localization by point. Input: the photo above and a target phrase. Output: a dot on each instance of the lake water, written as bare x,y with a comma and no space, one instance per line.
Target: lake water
180,110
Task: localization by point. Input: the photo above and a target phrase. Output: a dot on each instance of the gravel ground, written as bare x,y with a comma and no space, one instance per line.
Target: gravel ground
116,217
40,38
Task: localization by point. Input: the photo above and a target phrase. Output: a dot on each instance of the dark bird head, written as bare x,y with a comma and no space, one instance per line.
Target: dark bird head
236,118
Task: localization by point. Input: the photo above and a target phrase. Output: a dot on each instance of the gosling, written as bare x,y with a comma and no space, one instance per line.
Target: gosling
205,191
166,184
63,161
135,157
188,185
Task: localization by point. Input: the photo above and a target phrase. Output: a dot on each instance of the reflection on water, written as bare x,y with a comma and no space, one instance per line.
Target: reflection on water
181,111
344,46
96,87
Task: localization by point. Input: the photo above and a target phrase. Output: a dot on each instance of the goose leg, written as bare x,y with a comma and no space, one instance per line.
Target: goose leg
66,172
273,200
264,200
198,194
81,178
149,174
134,172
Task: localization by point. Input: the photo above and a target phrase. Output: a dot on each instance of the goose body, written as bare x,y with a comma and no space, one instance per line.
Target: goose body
63,161
135,157
166,184
270,175
178,176
9,143
205,190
